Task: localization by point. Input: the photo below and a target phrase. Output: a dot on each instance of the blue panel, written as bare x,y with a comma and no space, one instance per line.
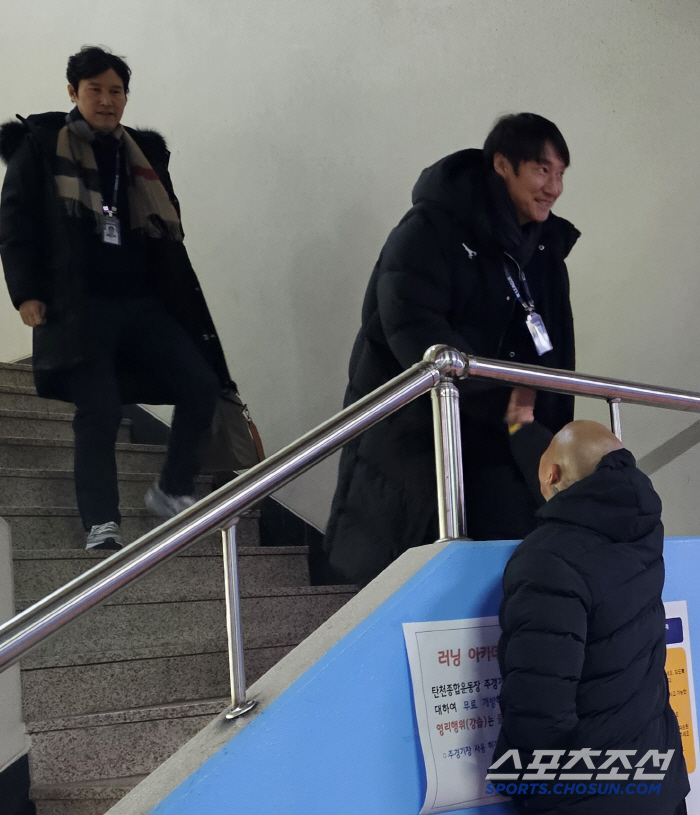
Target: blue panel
343,737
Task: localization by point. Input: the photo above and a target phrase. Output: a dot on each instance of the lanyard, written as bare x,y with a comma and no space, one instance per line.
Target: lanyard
529,304
111,212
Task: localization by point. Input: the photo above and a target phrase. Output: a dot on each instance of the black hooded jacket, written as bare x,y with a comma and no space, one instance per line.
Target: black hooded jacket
582,652
441,278
42,251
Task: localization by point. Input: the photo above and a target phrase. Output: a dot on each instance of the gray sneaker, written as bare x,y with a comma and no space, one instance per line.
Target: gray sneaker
104,536
164,505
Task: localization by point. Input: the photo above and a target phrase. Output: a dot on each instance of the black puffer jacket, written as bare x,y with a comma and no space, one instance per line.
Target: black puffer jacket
440,279
583,649
41,249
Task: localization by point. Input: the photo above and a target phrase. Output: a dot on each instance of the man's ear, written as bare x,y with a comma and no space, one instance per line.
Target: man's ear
72,93
502,166
554,476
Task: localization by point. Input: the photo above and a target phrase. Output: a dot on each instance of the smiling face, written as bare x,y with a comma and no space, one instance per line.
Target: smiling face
101,100
535,186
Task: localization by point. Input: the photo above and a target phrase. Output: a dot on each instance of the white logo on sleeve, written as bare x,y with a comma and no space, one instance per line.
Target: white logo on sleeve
470,252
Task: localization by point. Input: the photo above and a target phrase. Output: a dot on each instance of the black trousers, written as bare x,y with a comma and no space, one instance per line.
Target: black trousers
139,330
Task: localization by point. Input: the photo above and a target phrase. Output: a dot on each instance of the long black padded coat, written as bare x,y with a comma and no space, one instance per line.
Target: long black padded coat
41,249
440,279
582,651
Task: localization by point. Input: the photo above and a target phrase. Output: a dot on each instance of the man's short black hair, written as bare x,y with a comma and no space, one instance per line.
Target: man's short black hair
522,137
92,61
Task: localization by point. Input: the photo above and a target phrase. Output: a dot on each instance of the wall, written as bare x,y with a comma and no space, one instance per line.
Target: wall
299,128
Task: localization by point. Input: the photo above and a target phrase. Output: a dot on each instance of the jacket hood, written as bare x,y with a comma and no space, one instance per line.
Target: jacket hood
12,133
457,184
617,501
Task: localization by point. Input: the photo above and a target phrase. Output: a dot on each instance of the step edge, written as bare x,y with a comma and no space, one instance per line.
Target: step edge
56,662
261,593
187,709
68,444
83,554
69,790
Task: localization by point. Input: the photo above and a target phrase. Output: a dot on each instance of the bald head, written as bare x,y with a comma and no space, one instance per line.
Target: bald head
574,453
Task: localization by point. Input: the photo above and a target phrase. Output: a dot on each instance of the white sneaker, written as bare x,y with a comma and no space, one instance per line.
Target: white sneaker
104,536
164,505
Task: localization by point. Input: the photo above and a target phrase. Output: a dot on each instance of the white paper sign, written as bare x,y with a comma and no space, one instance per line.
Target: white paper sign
679,670
456,685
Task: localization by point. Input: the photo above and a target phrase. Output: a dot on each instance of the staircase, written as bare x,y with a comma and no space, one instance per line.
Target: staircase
114,694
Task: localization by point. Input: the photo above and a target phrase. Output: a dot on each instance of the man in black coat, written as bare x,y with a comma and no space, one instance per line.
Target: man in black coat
582,652
93,254
477,263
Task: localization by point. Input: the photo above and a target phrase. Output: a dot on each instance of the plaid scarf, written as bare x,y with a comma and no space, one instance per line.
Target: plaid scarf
78,180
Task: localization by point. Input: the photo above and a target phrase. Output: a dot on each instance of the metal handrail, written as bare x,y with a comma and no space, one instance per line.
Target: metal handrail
221,509
574,384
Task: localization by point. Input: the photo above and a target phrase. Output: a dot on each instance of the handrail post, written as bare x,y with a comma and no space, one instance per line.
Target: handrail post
615,422
236,666
448,459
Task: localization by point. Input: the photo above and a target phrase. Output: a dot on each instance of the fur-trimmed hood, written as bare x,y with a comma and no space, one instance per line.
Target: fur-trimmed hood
12,133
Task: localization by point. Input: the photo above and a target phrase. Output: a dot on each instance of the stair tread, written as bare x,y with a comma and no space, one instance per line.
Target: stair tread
56,416
174,710
16,366
183,648
83,554
8,472
72,512
19,389
185,645
96,789
262,591
18,441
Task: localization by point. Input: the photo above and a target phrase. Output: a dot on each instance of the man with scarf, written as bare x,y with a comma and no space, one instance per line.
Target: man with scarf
478,264
93,255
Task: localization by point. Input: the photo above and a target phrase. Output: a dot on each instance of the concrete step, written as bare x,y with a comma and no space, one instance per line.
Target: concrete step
273,617
57,454
191,576
24,487
13,374
156,680
15,397
42,425
60,528
121,742
76,798
107,745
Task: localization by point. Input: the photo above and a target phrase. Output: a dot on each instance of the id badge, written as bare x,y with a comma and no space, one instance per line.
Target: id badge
539,333
111,230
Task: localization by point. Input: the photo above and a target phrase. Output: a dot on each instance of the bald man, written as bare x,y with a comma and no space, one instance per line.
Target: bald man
582,651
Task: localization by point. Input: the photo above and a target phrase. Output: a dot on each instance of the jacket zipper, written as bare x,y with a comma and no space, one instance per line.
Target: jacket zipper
503,336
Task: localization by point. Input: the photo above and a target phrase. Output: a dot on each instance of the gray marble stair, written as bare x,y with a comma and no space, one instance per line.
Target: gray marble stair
19,397
57,454
158,676
55,424
82,798
100,746
194,575
15,375
60,528
137,739
119,690
29,487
